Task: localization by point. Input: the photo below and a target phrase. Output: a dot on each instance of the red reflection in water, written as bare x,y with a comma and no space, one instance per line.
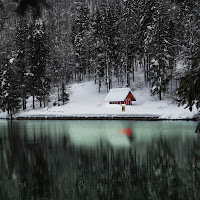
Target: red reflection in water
126,131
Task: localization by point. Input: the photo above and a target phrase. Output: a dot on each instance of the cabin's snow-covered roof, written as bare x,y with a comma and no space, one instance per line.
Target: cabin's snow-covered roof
117,94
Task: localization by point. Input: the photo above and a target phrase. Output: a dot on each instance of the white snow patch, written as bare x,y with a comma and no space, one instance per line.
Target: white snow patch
86,101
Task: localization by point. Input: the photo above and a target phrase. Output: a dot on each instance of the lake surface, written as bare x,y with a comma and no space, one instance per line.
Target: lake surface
96,160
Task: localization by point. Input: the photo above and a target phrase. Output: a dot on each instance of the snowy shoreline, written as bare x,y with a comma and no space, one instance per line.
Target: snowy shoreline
103,117
86,103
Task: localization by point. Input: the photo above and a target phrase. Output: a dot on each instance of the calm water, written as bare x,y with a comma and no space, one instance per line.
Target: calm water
93,160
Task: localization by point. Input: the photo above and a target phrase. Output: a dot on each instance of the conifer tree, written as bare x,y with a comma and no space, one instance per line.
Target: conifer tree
189,90
107,44
99,47
21,59
130,35
81,37
159,72
10,89
39,81
64,94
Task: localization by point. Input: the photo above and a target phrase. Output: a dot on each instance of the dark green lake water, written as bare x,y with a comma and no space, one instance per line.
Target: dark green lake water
91,160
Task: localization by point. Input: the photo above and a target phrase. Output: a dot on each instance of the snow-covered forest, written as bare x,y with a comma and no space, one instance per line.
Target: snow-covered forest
45,46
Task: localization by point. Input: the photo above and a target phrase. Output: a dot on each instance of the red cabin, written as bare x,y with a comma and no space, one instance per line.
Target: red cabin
120,96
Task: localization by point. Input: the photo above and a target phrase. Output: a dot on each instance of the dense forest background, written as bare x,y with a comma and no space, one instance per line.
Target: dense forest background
47,44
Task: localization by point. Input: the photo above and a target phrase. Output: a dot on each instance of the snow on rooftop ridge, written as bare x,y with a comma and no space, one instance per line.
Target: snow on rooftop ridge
117,94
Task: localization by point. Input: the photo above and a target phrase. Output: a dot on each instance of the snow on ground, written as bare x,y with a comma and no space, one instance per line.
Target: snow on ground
85,100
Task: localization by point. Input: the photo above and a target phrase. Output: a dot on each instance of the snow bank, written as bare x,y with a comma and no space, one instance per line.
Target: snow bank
86,101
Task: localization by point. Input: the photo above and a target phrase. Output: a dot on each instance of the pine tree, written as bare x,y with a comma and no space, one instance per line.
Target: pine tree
99,47
159,72
132,35
64,94
81,37
39,81
21,59
111,37
106,41
189,90
10,89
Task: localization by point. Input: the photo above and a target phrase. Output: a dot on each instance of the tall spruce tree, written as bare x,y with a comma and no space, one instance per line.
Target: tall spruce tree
159,72
189,88
99,47
81,37
10,100
64,94
130,35
21,59
39,81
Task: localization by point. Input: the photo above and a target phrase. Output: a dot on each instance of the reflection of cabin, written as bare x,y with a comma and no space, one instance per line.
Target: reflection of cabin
120,96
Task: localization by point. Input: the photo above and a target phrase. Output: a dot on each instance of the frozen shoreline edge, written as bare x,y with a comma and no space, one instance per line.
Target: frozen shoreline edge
109,117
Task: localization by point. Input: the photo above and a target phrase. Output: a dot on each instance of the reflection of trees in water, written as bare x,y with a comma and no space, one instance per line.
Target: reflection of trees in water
103,174
162,177
120,174
45,168
35,167
24,168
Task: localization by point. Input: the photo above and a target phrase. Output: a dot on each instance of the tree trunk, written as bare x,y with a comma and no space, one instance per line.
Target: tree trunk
145,77
127,72
58,94
110,78
133,70
33,101
136,65
160,93
95,79
23,104
148,67
107,79
118,79
99,85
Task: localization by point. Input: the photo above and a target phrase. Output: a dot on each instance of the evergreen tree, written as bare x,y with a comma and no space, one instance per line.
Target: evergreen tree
159,72
99,47
64,94
81,37
189,90
130,35
106,41
10,100
111,38
39,81
21,59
